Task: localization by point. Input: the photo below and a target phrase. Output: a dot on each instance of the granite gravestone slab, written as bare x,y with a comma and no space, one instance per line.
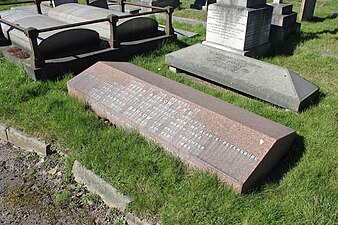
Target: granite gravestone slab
203,131
265,81
235,27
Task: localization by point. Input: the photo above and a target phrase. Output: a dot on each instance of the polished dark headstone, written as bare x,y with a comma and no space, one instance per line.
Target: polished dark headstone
205,132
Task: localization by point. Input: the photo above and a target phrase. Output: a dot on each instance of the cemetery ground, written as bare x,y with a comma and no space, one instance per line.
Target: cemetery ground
302,190
40,191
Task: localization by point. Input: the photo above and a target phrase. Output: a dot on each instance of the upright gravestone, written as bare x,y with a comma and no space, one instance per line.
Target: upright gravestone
307,10
283,21
239,26
202,4
203,131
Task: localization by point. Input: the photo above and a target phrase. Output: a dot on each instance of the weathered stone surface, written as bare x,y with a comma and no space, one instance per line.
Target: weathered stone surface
32,8
281,9
279,34
239,146
3,134
243,3
27,142
284,20
238,28
110,195
265,81
50,43
127,29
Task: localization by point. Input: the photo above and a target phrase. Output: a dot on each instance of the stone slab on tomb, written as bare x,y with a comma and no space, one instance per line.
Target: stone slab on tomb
32,8
265,81
205,132
127,29
51,42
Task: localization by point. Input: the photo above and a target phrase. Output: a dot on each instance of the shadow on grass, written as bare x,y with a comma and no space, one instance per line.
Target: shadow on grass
316,19
294,40
286,164
313,102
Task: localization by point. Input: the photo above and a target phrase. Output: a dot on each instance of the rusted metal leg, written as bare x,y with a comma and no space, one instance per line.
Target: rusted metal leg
36,58
122,5
38,6
113,41
169,30
3,40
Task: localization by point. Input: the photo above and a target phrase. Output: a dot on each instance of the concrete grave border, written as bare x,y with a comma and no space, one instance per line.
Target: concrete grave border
24,141
109,194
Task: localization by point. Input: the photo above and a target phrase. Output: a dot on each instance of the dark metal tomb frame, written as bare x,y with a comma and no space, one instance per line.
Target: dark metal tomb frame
37,62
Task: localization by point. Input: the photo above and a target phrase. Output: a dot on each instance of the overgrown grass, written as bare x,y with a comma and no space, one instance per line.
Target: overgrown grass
162,187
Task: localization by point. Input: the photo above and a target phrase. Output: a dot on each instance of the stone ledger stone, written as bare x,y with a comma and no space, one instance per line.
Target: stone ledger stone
265,81
238,29
203,131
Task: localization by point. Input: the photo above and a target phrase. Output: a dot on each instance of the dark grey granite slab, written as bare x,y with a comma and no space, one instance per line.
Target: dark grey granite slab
265,81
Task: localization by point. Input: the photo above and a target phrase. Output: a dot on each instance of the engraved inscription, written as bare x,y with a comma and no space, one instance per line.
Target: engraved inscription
226,27
161,114
231,64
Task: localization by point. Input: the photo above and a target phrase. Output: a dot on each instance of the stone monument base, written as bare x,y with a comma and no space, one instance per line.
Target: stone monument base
255,51
265,81
54,68
283,22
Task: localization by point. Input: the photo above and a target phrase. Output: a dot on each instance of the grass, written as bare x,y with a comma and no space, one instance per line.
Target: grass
164,189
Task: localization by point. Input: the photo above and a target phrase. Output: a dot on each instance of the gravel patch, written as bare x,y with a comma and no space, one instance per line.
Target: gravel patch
38,191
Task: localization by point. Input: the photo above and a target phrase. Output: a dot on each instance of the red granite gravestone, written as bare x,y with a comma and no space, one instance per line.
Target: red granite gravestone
205,132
